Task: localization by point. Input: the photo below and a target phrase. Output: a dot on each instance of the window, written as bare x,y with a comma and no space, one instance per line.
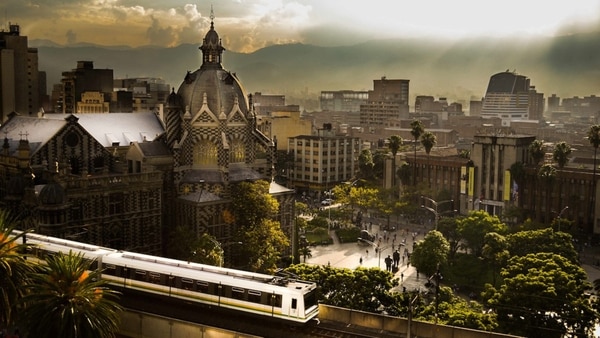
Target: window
294,303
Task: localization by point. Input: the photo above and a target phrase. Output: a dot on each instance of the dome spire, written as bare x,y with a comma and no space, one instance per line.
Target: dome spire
212,50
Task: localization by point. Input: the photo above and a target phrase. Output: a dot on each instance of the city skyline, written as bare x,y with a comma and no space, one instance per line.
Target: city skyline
246,26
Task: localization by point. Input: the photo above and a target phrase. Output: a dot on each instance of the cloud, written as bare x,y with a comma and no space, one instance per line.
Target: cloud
160,36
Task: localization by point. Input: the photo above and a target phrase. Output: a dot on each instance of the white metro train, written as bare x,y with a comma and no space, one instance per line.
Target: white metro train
288,299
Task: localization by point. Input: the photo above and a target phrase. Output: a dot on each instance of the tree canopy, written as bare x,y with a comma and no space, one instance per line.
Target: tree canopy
475,226
542,295
430,253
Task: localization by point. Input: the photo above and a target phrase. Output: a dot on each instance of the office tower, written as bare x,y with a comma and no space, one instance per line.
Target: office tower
387,100
507,97
19,76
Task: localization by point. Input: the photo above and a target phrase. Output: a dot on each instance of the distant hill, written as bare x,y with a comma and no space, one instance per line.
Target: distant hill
567,65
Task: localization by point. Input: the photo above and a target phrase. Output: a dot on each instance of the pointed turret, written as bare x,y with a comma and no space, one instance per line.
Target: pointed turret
212,50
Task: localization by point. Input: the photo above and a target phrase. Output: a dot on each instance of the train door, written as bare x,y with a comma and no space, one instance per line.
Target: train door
294,308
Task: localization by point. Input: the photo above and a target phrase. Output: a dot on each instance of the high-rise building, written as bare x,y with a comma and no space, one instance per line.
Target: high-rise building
510,97
343,100
20,89
387,100
82,79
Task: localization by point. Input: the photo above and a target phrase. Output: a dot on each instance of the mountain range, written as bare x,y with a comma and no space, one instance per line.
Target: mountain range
565,65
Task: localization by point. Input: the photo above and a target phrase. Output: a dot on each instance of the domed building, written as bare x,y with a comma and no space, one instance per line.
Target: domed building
212,134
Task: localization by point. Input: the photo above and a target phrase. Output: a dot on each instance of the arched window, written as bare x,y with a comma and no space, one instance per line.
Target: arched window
205,153
237,151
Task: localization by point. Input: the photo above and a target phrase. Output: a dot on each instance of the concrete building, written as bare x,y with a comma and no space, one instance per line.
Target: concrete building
279,126
387,100
22,85
320,162
82,79
343,100
510,97
147,94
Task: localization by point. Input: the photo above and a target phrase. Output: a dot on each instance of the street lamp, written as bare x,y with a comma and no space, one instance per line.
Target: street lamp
560,215
435,210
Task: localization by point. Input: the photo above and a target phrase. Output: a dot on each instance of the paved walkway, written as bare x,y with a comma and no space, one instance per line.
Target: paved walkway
349,255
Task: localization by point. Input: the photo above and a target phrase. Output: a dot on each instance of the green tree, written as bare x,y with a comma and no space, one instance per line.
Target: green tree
448,226
364,198
454,310
254,210
394,143
263,244
428,140
430,253
475,226
495,252
527,242
66,299
360,289
207,251
542,295
14,270
416,131
365,164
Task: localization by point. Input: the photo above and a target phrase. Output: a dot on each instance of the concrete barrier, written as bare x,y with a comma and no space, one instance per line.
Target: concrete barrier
399,325
135,324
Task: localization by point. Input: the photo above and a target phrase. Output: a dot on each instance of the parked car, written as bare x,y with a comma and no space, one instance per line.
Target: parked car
327,201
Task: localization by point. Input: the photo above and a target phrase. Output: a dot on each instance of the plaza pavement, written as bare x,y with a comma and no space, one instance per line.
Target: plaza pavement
348,255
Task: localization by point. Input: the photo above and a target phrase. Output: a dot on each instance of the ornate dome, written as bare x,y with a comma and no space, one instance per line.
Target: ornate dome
222,88
52,194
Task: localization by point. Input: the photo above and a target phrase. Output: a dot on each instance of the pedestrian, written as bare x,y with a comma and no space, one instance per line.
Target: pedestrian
401,277
367,253
360,260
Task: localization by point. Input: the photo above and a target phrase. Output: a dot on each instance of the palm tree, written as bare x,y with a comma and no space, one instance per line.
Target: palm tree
593,136
547,173
561,153
14,269
394,143
428,140
416,131
66,299
536,151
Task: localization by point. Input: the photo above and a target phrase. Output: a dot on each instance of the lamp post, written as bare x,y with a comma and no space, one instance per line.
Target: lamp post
560,215
435,209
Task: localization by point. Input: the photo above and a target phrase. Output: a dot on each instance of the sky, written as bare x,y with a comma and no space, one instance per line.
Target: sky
248,25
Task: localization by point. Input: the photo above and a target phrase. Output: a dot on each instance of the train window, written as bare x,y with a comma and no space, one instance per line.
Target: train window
154,278
110,269
187,284
254,296
237,293
294,303
275,300
202,286
140,275
310,299
94,265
